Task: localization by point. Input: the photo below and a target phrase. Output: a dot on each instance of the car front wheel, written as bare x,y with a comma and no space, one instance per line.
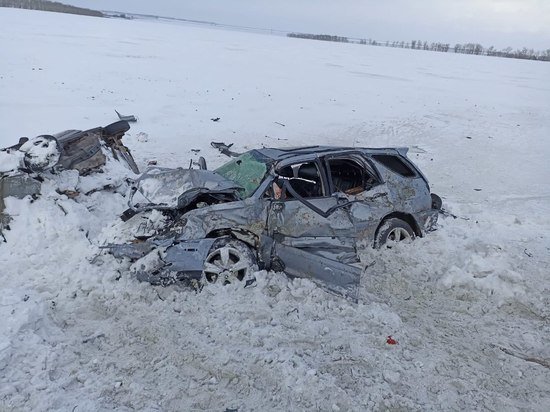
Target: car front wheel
393,230
229,260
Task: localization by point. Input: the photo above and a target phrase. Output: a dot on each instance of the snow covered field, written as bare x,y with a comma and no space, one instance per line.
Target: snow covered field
469,305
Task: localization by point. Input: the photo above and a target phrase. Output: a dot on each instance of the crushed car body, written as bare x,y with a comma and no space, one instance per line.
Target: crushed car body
24,166
307,211
163,188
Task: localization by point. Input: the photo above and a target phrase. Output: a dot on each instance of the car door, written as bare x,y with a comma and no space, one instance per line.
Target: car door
312,230
307,217
352,177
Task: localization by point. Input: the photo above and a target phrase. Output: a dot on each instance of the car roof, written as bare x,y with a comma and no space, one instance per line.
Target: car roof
289,152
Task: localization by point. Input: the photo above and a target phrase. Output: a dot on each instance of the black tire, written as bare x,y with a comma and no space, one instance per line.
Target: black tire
393,230
38,163
437,203
116,128
229,260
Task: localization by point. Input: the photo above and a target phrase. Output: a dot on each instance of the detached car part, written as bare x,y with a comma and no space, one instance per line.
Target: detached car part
24,165
126,118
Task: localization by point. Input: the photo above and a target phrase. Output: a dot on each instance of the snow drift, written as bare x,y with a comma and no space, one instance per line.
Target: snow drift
468,305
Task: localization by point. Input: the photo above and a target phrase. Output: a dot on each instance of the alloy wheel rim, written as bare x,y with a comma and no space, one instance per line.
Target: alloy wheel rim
226,264
399,234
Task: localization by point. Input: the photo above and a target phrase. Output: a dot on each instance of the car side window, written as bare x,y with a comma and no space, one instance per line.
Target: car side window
349,177
395,164
304,178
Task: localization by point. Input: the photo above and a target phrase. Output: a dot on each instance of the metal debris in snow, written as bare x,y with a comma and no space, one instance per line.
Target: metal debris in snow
128,118
224,149
24,166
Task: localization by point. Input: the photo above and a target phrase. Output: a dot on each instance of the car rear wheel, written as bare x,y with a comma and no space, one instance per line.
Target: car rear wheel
392,231
229,260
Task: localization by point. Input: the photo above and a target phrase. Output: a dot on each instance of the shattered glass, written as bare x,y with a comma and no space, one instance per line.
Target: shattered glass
248,171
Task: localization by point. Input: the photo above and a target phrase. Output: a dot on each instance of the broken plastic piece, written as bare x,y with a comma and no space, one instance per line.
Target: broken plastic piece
250,282
391,341
225,149
129,118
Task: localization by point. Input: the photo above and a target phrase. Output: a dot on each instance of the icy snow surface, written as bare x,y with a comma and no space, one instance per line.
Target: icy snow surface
468,305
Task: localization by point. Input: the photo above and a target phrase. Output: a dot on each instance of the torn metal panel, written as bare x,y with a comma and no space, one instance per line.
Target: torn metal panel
132,251
294,224
17,186
225,149
410,195
127,118
337,277
188,256
368,209
428,220
293,218
313,242
80,150
245,216
163,188
341,249
181,261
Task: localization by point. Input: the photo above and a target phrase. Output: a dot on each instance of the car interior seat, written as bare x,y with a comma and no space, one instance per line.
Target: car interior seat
286,172
345,176
309,182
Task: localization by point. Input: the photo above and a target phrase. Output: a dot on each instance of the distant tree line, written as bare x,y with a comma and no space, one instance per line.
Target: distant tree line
46,5
467,48
324,37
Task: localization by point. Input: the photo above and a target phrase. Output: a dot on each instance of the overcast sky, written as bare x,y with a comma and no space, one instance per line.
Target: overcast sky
502,23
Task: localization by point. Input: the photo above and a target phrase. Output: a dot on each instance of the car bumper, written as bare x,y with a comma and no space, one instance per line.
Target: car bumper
180,261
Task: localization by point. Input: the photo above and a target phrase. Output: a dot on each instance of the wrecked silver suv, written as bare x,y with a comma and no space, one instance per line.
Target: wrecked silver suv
306,211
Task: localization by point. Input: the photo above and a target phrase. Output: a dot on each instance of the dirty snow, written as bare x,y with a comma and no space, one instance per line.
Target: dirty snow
468,305
10,160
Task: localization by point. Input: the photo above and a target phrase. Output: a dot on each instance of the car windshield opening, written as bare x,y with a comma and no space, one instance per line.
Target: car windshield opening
248,171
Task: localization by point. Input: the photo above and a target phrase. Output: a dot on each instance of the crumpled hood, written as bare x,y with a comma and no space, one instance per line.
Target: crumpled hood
164,188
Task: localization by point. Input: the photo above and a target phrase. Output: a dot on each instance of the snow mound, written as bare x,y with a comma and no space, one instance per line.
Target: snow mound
468,305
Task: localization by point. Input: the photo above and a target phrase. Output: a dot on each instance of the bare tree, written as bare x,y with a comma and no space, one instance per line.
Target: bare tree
467,48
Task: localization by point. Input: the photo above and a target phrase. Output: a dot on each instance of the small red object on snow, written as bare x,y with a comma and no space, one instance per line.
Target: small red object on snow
391,341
